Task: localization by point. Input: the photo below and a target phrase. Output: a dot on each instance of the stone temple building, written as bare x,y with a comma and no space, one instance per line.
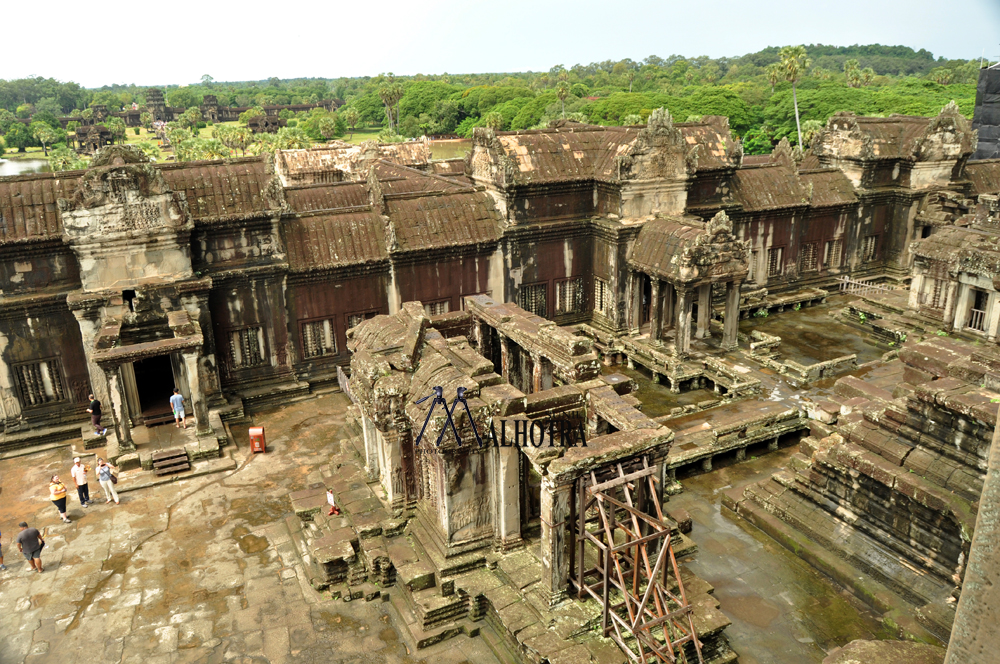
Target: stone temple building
516,274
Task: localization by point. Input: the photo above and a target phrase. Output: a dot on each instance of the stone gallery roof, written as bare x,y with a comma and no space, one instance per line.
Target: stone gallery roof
768,188
223,190
351,161
396,179
984,175
29,208
713,137
687,251
449,167
963,249
828,187
945,136
443,219
572,152
331,239
311,197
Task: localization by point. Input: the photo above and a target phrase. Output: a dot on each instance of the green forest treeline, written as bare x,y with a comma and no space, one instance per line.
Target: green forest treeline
869,80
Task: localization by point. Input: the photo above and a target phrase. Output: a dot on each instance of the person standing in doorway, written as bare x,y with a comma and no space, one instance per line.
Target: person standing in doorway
79,472
57,494
30,543
105,473
177,403
95,416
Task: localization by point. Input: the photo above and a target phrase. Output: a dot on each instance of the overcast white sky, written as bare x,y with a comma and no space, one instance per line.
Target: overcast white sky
176,41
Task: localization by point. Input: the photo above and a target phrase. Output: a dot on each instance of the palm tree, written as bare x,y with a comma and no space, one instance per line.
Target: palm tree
493,120
562,92
350,116
867,76
852,69
794,62
773,72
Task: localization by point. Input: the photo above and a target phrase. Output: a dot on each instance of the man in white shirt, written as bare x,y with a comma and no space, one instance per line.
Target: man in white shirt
79,473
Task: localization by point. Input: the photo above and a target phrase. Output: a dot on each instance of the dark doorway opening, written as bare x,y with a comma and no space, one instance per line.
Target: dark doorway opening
647,299
154,381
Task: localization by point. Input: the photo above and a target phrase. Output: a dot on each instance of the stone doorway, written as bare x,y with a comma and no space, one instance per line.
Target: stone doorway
155,379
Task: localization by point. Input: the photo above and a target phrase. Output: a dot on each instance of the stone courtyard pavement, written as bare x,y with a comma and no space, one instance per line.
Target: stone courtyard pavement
198,570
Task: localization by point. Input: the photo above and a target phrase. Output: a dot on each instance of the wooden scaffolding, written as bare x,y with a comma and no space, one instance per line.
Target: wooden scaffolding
623,557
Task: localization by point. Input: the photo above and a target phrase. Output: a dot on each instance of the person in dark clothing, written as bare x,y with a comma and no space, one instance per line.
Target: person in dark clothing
30,543
95,416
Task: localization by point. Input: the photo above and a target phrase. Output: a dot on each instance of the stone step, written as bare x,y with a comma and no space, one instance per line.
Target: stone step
863,552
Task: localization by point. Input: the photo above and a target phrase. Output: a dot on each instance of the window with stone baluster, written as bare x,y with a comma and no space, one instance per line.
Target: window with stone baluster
40,383
534,298
569,296
319,338
246,347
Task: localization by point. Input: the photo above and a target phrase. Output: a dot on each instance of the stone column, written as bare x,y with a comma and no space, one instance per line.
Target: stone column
371,448
555,558
962,307
704,311
655,321
916,285
504,358
732,321
392,467
508,497
127,373
949,303
119,410
682,335
974,633
536,373
10,405
89,328
198,404
636,279
993,317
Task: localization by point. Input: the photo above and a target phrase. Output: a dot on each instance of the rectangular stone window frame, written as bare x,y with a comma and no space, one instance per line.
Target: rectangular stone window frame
809,257
833,253
754,266
569,295
437,307
40,383
242,353
775,261
319,338
534,298
354,318
869,248
604,300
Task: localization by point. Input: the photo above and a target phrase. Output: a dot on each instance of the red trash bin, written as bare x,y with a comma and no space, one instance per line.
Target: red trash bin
257,443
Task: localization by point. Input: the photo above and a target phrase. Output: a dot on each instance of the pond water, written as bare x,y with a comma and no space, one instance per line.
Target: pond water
450,149
22,166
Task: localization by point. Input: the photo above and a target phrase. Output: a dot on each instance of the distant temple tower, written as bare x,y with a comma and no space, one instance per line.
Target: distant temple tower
155,105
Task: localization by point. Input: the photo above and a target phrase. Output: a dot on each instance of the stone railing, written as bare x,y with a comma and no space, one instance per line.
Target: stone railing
821,370
848,285
345,383
762,343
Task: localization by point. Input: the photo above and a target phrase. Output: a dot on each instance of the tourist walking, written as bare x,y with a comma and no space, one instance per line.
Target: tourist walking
106,476
177,403
95,416
57,494
79,472
30,543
